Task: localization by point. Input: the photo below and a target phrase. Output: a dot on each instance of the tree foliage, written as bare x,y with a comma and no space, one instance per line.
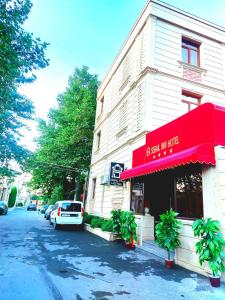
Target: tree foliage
65,142
12,197
20,55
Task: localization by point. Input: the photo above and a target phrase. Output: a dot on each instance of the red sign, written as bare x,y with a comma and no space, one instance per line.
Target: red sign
203,125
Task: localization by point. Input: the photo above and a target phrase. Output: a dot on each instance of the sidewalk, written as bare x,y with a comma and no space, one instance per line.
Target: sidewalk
191,280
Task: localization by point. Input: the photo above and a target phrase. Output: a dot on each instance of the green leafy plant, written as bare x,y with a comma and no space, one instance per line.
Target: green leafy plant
107,225
210,246
116,218
88,218
97,222
12,197
167,231
128,226
20,204
85,217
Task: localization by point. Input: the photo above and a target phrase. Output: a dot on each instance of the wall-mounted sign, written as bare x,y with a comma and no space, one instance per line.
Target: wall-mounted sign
115,170
183,133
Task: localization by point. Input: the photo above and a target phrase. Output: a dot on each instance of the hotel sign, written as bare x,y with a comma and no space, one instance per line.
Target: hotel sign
115,170
163,148
193,128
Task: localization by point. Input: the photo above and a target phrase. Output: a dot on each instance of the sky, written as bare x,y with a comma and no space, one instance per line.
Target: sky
88,32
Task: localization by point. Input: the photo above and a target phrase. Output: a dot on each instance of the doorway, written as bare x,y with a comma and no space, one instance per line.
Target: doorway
158,193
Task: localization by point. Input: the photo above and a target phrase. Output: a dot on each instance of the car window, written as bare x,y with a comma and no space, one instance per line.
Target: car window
70,206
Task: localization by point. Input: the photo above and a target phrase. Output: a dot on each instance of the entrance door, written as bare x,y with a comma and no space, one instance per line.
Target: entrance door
158,193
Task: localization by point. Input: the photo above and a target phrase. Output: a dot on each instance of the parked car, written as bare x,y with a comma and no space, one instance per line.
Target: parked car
32,206
3,208
43,209
48,211
67,212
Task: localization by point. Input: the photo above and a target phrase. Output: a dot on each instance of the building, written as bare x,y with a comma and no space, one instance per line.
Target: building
171,63
5,188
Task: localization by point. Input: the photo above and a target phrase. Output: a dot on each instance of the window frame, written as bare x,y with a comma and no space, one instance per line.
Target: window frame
94,181
98,140
102,105
143,192
193,96
196,44
183,173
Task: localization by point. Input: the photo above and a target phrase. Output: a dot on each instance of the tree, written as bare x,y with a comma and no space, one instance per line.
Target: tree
20,55
65,141
12,197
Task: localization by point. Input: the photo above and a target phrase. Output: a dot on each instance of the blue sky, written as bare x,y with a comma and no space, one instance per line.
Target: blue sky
89,32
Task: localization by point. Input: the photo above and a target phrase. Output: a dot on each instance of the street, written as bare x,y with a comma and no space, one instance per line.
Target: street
38,262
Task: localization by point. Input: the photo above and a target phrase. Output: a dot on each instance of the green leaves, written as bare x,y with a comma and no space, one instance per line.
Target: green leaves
210,246
116,217
20,55
167,231
12,197
124,224
66,140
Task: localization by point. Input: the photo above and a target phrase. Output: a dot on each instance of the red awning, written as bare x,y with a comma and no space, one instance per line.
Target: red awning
203,154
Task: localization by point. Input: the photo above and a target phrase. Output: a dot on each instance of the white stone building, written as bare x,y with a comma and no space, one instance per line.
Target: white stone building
170,63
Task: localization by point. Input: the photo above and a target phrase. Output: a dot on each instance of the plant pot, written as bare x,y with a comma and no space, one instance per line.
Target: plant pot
169,263
130,246
215,281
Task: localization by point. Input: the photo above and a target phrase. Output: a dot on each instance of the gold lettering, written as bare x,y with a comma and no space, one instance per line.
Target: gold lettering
148,151
163,145
173,141
155,149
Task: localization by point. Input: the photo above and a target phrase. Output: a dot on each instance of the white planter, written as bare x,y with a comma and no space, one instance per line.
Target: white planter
109,236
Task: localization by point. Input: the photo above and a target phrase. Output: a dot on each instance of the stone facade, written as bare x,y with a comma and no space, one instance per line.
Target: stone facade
143,91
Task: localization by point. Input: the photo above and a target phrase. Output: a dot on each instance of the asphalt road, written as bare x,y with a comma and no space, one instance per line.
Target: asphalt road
39,263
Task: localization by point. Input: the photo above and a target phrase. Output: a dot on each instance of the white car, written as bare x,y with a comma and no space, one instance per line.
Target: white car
67,212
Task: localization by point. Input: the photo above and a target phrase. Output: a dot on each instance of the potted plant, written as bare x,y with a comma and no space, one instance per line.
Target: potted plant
210,247
167,233
116,218
128,229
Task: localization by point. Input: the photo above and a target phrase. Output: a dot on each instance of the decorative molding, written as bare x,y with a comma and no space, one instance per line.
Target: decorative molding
121,132
129,142
191,67
125,83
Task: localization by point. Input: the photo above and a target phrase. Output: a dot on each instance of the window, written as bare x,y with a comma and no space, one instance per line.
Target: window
69,206
123,116
190,101
101,105
137,198
93,187
190,52
98,140
188,193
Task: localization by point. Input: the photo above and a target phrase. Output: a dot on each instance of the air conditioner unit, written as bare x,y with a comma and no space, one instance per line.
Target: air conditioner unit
104,180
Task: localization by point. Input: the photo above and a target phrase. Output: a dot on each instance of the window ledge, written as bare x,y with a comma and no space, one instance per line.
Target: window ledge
121,132
124,83
191,67
186,222
99,116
